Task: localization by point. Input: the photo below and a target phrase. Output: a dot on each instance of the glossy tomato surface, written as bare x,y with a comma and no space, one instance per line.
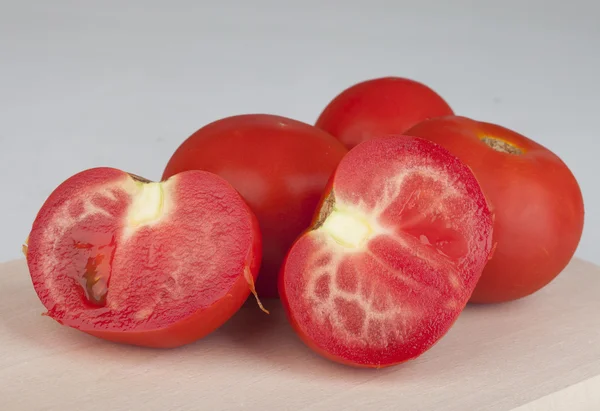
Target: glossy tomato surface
536,200
380,107
279,165
394,253
149,264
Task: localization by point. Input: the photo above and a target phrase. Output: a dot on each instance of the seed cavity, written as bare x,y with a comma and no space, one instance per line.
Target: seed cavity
322,290
93,283
97,271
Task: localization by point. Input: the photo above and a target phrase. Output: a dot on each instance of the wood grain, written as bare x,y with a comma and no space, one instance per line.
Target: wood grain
533,354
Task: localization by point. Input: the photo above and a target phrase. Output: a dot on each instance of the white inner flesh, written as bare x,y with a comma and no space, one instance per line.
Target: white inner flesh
147,206
347,228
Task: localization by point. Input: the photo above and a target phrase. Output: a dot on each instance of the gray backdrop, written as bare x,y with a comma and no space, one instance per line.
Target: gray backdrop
122,83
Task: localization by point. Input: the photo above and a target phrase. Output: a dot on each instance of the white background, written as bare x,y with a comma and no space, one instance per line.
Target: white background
123,83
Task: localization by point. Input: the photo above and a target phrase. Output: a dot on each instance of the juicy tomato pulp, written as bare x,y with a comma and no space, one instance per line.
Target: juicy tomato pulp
537,204
395,251
379,107
280,167
155,264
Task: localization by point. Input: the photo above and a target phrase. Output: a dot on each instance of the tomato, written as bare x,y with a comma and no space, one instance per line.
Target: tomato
280,167
393,256
136,262
379,107
536,199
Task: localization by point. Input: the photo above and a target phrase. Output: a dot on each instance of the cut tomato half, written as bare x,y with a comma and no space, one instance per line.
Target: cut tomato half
393,255
152,264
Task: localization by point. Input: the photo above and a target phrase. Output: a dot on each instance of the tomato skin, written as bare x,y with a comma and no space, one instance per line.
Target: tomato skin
537,202
280,167
378,107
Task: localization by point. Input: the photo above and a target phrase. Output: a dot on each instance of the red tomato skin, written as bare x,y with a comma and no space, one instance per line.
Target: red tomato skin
379,107
279,165
537,202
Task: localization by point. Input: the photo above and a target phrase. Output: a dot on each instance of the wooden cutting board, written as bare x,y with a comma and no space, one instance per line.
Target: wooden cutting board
541,353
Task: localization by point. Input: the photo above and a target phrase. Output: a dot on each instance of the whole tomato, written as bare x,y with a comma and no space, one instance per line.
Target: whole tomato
536,199
280,167
372,108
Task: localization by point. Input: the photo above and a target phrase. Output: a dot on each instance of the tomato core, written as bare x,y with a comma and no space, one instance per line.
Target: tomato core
347,227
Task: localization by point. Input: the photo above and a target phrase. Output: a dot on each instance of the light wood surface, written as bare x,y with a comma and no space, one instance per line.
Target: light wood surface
538,354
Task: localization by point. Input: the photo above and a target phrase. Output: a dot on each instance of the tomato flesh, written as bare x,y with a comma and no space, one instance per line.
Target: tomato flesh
386,290
128,261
